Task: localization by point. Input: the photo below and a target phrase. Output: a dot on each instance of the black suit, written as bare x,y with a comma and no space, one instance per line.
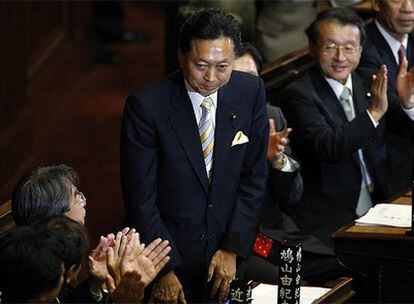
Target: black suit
166,190
326,144
376,52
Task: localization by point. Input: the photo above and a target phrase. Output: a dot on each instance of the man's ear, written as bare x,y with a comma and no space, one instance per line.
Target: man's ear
72,274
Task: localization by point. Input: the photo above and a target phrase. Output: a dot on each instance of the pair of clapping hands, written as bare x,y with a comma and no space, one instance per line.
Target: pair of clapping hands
126,265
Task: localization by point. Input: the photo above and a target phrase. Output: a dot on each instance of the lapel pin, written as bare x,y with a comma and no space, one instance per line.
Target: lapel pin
369,94
233,116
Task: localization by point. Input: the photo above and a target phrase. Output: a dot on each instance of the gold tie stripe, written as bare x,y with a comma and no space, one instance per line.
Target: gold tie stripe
206,131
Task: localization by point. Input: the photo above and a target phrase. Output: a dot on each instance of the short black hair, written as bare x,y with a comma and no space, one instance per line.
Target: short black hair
43,192
247,48
342,15
30,264
71,235
208,24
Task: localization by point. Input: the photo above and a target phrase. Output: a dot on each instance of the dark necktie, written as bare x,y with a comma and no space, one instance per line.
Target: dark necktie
401,54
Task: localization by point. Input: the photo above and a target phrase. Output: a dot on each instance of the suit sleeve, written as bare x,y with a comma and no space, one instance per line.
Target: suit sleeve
241,229
139,161
311,119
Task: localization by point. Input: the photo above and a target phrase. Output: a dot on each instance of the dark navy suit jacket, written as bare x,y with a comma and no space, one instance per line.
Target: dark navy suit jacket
164,180
326,145
377,52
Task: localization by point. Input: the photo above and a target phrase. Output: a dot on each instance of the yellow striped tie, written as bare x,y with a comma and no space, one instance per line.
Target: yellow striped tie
206,130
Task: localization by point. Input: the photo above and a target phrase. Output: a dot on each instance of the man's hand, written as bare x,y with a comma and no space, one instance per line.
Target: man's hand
129,290
223,265
277,142
168,289
405,85
379,98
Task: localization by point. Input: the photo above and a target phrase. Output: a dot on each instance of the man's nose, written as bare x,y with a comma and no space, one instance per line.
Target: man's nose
210,75
339,54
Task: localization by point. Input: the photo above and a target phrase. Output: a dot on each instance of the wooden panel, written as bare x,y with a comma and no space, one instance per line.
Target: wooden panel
43,52
6,220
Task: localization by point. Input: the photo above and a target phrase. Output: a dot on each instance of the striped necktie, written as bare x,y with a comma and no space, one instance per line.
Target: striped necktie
206,130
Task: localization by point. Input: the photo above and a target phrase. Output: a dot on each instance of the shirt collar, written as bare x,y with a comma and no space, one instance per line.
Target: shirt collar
197,98
392,42
338,87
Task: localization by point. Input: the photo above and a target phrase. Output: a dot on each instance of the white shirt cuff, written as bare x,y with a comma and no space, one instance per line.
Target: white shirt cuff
375,123
409,112
291,165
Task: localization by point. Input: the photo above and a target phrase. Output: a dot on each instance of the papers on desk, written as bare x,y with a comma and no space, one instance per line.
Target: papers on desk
393,215
264,294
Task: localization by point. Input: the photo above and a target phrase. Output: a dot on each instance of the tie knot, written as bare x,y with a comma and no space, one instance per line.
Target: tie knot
207,103
346,92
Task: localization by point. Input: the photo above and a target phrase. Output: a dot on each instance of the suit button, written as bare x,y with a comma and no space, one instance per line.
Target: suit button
210,205
202,237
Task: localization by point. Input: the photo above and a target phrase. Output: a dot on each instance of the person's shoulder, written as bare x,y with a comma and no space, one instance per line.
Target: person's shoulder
303,81
161,88
243,79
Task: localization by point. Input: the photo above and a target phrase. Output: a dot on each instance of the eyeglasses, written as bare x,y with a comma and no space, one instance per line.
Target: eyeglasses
80,198
332,48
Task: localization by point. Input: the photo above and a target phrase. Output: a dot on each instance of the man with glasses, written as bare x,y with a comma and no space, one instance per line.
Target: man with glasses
342,121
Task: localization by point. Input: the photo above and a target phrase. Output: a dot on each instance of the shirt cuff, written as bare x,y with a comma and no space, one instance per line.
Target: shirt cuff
409,112
375,123
290,165
97,295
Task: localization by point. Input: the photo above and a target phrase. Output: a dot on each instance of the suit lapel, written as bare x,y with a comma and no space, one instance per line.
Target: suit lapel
185,126
410,50
328,98
226,121
360,94
384,50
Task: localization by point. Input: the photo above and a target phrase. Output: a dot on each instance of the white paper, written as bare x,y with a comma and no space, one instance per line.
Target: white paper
394,215
266,294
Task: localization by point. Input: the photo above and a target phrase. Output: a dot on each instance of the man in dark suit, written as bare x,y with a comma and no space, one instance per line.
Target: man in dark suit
193,161
343,127
389,37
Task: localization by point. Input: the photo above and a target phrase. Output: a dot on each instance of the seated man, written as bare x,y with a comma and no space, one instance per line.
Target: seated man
52,191
390,39
31,267
48,191
341,133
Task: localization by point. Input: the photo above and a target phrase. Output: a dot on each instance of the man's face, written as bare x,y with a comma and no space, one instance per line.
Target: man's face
396,16
246,64
337,50
208,65
77,204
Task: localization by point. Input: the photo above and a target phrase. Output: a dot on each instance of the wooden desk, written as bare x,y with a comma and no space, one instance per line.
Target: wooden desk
383,255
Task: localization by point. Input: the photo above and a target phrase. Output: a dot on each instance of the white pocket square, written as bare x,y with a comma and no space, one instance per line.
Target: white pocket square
239,139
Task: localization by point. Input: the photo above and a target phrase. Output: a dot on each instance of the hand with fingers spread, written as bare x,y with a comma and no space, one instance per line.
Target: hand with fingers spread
168,289
277,143
405,85
379,104
223,267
